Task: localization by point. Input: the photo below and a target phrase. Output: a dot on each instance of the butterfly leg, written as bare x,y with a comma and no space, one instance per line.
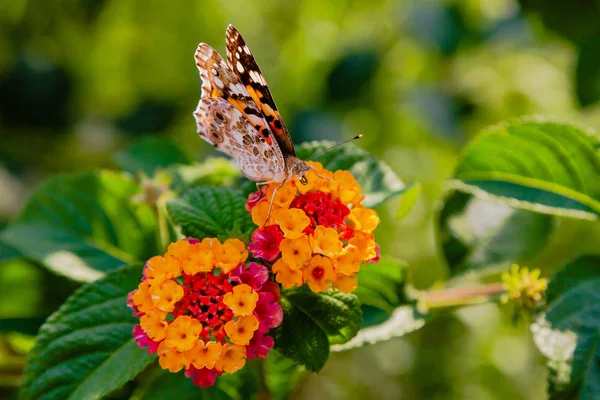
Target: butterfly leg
271,202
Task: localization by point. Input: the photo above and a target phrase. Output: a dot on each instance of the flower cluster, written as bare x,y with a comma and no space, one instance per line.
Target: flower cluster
523,287
316,233
203,310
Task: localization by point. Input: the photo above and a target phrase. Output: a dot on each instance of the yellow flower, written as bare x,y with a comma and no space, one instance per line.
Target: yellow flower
170,358
348,262
166,294
241,332
348,188
183,333
296,252
233,358
365,243
292,222
326,241
284,195
204,355
179,249
155,325
211,243
259,213
142,298
346,284
228,256
242,300
286,276
200,259
523,287
364,219
319,274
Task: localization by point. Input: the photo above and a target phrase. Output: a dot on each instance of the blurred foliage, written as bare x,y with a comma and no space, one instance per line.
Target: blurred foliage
79,80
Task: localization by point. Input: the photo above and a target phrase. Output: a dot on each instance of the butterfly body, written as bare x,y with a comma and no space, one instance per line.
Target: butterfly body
237,114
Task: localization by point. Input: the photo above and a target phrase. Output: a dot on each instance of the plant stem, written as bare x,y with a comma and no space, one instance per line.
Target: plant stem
462,296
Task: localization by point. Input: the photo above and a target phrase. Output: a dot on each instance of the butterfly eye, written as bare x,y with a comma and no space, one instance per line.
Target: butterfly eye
303,180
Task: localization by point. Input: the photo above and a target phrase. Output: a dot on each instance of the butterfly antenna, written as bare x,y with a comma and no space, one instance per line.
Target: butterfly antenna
336,145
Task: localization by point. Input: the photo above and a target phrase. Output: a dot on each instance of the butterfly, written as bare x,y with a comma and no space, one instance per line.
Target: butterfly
237,115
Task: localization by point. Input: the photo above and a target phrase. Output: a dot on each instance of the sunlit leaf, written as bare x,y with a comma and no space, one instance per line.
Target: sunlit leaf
84,225
544,166
408,200
568,332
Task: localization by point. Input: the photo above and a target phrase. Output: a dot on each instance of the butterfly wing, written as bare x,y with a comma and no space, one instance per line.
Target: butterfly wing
229,131
242,63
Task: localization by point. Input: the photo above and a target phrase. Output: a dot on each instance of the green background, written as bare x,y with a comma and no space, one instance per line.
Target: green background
81,79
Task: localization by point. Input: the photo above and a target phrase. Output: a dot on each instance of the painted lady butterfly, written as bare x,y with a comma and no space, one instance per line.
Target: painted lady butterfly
237,114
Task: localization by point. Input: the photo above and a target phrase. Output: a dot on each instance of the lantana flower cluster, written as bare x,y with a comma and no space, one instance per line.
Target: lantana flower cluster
203,310
317,233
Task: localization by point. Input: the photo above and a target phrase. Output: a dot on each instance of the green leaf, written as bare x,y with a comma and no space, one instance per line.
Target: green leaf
381,284
587,73
148,154
7,252
483,236
212,212
211,172
568,332
378,181
408,200
28,326
313,321
86,350
403,320
281,375
84,225
548,167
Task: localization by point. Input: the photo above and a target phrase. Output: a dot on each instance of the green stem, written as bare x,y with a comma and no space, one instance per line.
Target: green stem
462,296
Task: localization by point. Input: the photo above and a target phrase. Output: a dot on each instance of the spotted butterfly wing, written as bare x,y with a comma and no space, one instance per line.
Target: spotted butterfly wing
242,63
228,118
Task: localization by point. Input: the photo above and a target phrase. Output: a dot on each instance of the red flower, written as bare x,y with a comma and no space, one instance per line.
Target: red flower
259,346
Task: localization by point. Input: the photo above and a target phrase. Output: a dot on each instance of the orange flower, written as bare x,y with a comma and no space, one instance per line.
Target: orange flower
159,268
346,284
232,358
211,243
319,274
326,241
241,332
180,248
142,298
284,195
259,213
364,219
205,355
166,294
296,252
228,256
365,243
242,300
200,259
183,333
155,325
286,276
170,358
348,188
292,222
348,262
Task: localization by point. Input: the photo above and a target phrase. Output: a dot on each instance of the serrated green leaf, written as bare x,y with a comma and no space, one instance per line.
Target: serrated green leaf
377,179
408,200
482,236
206,211
83,225
568,332
314,320
539,165
148,154
85,350
381,284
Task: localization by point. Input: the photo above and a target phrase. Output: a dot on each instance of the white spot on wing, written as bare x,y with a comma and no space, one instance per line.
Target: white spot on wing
239,67
218,82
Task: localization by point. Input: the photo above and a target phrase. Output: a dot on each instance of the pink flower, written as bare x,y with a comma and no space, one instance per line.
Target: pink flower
254,198
255,275
142,340
259,347
268,311
202,377
265,243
